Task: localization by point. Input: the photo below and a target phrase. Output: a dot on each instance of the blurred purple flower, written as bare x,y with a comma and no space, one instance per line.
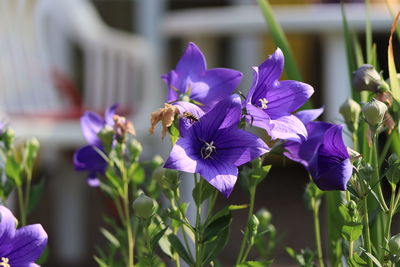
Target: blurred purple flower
323,154
270,102
22,247
87,158
192,78
214,147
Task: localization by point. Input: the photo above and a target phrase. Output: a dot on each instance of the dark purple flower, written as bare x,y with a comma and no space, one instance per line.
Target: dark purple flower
214,147
192,78
88,158
323,154
270,102
19,247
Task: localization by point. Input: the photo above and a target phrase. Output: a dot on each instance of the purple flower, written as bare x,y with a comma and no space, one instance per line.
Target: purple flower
192,78
87,158
214,147
270,102
323,154
22,247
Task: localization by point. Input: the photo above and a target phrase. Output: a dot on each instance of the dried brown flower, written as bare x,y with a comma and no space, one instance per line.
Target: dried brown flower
165,115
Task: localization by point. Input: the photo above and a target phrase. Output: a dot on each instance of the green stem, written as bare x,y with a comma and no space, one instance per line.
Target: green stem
392,209
367,238
375,165
315,207
385,150
354,138
351,243
131,242
198,225
22,210
240,257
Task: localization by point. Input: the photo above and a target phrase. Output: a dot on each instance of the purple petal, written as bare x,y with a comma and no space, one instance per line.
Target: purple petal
214,86
305,151
336,177
171,79
266,75
220,174
225,114
186,123
192,61
28,244
309,115
109,115
333,143
184,155
93,180
285,97
287,128
88,159
257,117
7,227
239,147
91,124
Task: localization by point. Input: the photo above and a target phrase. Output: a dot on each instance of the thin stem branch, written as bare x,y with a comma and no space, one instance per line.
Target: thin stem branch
367,238
315,208
22,210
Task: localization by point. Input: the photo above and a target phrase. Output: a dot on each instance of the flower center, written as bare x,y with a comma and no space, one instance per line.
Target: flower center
4,262
207,150
263,102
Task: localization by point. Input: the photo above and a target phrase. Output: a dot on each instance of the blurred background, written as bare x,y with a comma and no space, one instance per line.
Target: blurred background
59,58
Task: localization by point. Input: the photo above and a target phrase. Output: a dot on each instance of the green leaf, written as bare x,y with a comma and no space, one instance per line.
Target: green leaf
110,237
35,194
357,261
352,231
136,174
394,82
259,174
114,181
215,227
180,249
255,264
225,211
100,262
154,240
206,192
212,248
13,170
375,260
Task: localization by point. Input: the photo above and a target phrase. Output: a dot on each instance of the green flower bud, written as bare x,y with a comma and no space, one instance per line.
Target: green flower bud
8,137
350,111
394,245
106,136
254,223
144,206
393,170
264,216
366,78
135,149
374,112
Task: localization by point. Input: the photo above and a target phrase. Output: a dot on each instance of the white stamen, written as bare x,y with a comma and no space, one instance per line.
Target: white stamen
4,262
264,103
207,150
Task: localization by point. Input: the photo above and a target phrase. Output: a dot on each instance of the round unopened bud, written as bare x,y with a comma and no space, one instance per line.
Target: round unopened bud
350,111
394,245
144,206
366,78
106,135
135,148
264,216
253,225
374,111
393,170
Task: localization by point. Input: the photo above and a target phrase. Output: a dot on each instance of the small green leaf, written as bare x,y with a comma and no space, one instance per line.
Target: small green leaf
352,231
110,237
357,261
215,227
13,170
100,262
206,192
225,211
212,248
375,260
180,249
154,240
136,174
35,194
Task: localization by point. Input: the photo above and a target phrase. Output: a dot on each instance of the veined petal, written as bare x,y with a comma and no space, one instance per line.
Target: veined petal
220,174
305,151
333,143
28,244
214,86
309,115
184,155
7,227
238,146
109,114
287,128
267,74
336,177
225,114
257,117
91,124
285,97
171,79
192,61
88,159
187,121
